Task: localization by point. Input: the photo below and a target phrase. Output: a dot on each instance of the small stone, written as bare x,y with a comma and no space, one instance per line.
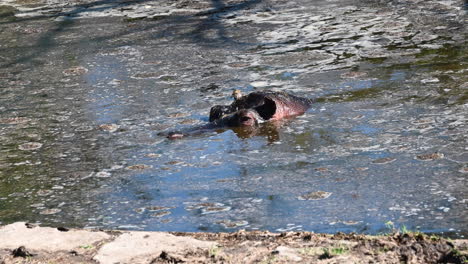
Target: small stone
30,225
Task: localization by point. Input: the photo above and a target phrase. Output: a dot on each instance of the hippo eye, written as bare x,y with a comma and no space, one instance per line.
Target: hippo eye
245,118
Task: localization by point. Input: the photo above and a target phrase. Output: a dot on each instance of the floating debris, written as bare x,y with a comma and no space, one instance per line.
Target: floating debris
75,71
353,74
188,121
158,208
177,115
44,192
233,224
361,168
139,167
103,174
431,156
351,222
259,84
318,195
432,80
238,64
153,155
109,127
84,129
161,214
174,162
383,160
50,211
208,208
30,146
193,206
215,209
322,169
209,87
147,75
14,120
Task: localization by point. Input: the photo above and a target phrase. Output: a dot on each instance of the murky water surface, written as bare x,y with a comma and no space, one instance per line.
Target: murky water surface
85,93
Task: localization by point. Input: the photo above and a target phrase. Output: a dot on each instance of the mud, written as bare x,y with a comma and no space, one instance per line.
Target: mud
237,247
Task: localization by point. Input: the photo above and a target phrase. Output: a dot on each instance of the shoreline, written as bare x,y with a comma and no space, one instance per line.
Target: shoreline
27,243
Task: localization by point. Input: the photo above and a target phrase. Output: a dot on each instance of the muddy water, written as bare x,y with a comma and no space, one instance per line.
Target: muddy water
87,89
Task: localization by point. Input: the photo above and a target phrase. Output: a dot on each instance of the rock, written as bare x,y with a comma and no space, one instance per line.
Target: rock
21,252
143,247
46,238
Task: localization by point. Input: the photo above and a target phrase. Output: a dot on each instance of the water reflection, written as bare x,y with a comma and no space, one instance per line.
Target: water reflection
81,144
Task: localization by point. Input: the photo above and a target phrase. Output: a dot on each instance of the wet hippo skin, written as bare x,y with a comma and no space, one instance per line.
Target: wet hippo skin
251,110
268,104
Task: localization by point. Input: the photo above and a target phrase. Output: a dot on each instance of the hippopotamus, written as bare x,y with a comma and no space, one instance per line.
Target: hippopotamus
260,106
251,110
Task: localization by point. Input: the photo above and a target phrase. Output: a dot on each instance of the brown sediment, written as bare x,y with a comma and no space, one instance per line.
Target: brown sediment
21,244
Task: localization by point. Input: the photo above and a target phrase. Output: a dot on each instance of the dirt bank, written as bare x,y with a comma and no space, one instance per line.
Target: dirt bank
26,243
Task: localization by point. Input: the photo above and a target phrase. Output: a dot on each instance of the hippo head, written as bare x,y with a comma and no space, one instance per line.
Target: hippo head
245,117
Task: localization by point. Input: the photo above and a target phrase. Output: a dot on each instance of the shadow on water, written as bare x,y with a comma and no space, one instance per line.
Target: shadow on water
199,35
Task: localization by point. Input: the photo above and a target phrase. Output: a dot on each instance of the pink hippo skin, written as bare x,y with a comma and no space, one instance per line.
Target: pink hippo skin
268,104
251,110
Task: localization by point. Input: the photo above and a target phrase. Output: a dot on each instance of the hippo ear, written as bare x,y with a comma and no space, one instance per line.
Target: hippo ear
218,111
267,109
